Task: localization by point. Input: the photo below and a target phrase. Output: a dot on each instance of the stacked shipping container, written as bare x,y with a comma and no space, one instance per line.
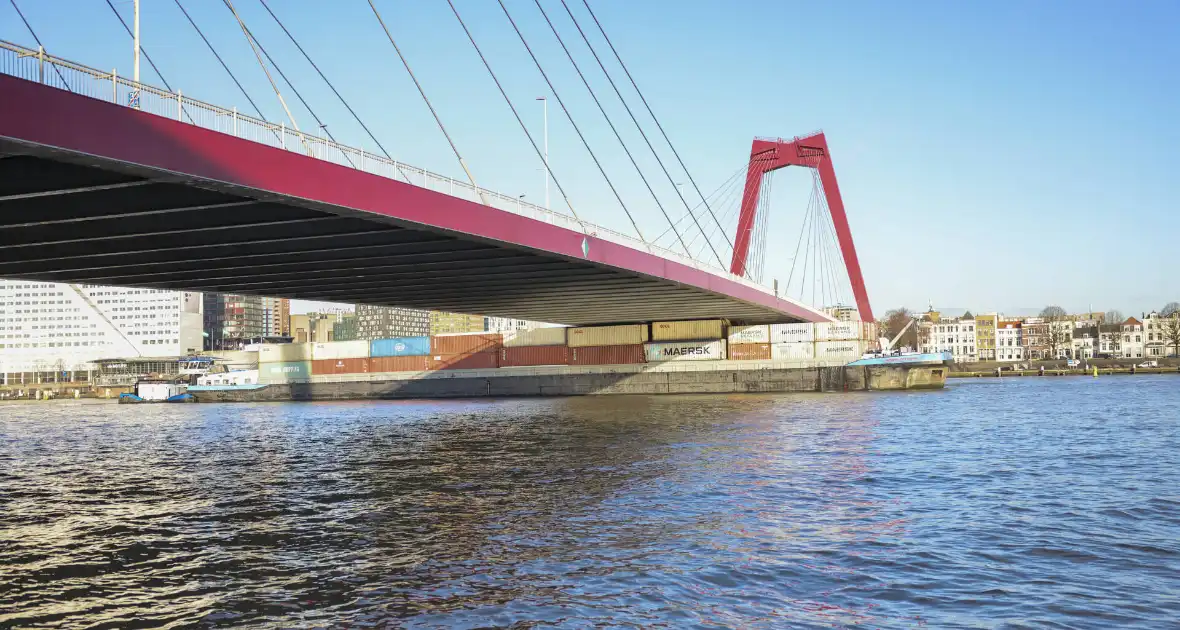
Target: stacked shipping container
340,357
749,343
607,345
697,340
465,351
828,341
700,340
283,363
401,354
538,346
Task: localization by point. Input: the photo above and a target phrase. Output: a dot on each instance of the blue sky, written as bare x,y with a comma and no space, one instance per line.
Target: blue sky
991,155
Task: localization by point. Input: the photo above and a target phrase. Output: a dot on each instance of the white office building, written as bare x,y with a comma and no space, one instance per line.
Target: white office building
1155,328
1134,343
954,336
1084,342
50,327
1008,341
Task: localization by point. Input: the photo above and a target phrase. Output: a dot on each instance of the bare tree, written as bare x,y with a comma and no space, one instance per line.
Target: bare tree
1053,313
1116,338
893,323
1059,336
1172,332
1056,335
1170,309
1114,317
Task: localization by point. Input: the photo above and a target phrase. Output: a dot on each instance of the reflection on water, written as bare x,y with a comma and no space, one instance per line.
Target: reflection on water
1042,502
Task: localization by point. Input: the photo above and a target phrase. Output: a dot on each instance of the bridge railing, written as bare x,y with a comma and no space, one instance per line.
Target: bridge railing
35,64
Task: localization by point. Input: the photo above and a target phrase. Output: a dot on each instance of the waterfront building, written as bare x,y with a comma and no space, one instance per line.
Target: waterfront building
950,335
315,327
1034,334
1133,344
1060,339
232,320
323,323
50,327
507,324
345,328
300,328
1087,320
1084,342
842,313
443,323
1110,340
1155,344
276,317
1009,346
386,322
985,336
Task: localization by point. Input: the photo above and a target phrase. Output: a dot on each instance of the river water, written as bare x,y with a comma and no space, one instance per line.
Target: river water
1036,502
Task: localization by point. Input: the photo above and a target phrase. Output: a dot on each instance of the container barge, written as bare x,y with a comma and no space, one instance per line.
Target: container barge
702,356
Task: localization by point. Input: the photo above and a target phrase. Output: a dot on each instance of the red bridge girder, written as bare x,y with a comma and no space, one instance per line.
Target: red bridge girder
810,151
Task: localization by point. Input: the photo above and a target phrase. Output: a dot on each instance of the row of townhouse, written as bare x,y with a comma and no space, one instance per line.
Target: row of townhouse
969,339
992,337
1153,337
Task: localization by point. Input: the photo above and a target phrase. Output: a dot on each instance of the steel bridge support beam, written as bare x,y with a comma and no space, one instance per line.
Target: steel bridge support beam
812,152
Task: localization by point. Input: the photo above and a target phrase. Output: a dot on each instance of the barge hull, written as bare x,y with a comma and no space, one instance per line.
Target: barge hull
571,383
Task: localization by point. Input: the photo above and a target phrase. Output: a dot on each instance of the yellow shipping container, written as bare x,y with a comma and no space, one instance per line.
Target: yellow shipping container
701,329
553,336
587,336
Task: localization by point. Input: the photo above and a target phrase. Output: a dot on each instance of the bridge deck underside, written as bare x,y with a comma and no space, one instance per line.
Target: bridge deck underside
65,222
94,192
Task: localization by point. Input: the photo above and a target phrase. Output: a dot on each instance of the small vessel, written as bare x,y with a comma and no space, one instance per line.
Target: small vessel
157,391
903,358
888,355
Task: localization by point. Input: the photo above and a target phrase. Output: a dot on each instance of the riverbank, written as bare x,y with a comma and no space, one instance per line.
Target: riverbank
1063,372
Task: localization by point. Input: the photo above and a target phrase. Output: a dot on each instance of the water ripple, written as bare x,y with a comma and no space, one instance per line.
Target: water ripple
1046,503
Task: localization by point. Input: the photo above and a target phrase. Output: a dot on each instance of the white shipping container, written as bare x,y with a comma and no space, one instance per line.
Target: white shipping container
358,349
749,334
535,337
690,330
625,335
837,331
849,350
792,351
685,351
277,352
792,333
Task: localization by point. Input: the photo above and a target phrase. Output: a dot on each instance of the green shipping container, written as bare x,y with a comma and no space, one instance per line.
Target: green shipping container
284,371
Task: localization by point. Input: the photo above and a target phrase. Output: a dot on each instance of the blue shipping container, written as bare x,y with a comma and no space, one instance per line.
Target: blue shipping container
401,347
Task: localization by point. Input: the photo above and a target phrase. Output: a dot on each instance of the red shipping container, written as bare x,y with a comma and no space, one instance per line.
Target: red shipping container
749,351
466,344
399,364
340,366
520,356
469,361
608,355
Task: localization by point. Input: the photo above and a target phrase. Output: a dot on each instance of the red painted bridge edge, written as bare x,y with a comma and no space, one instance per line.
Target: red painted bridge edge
48,116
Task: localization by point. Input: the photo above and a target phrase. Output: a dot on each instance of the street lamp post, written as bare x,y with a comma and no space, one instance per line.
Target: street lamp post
136,77
545,114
